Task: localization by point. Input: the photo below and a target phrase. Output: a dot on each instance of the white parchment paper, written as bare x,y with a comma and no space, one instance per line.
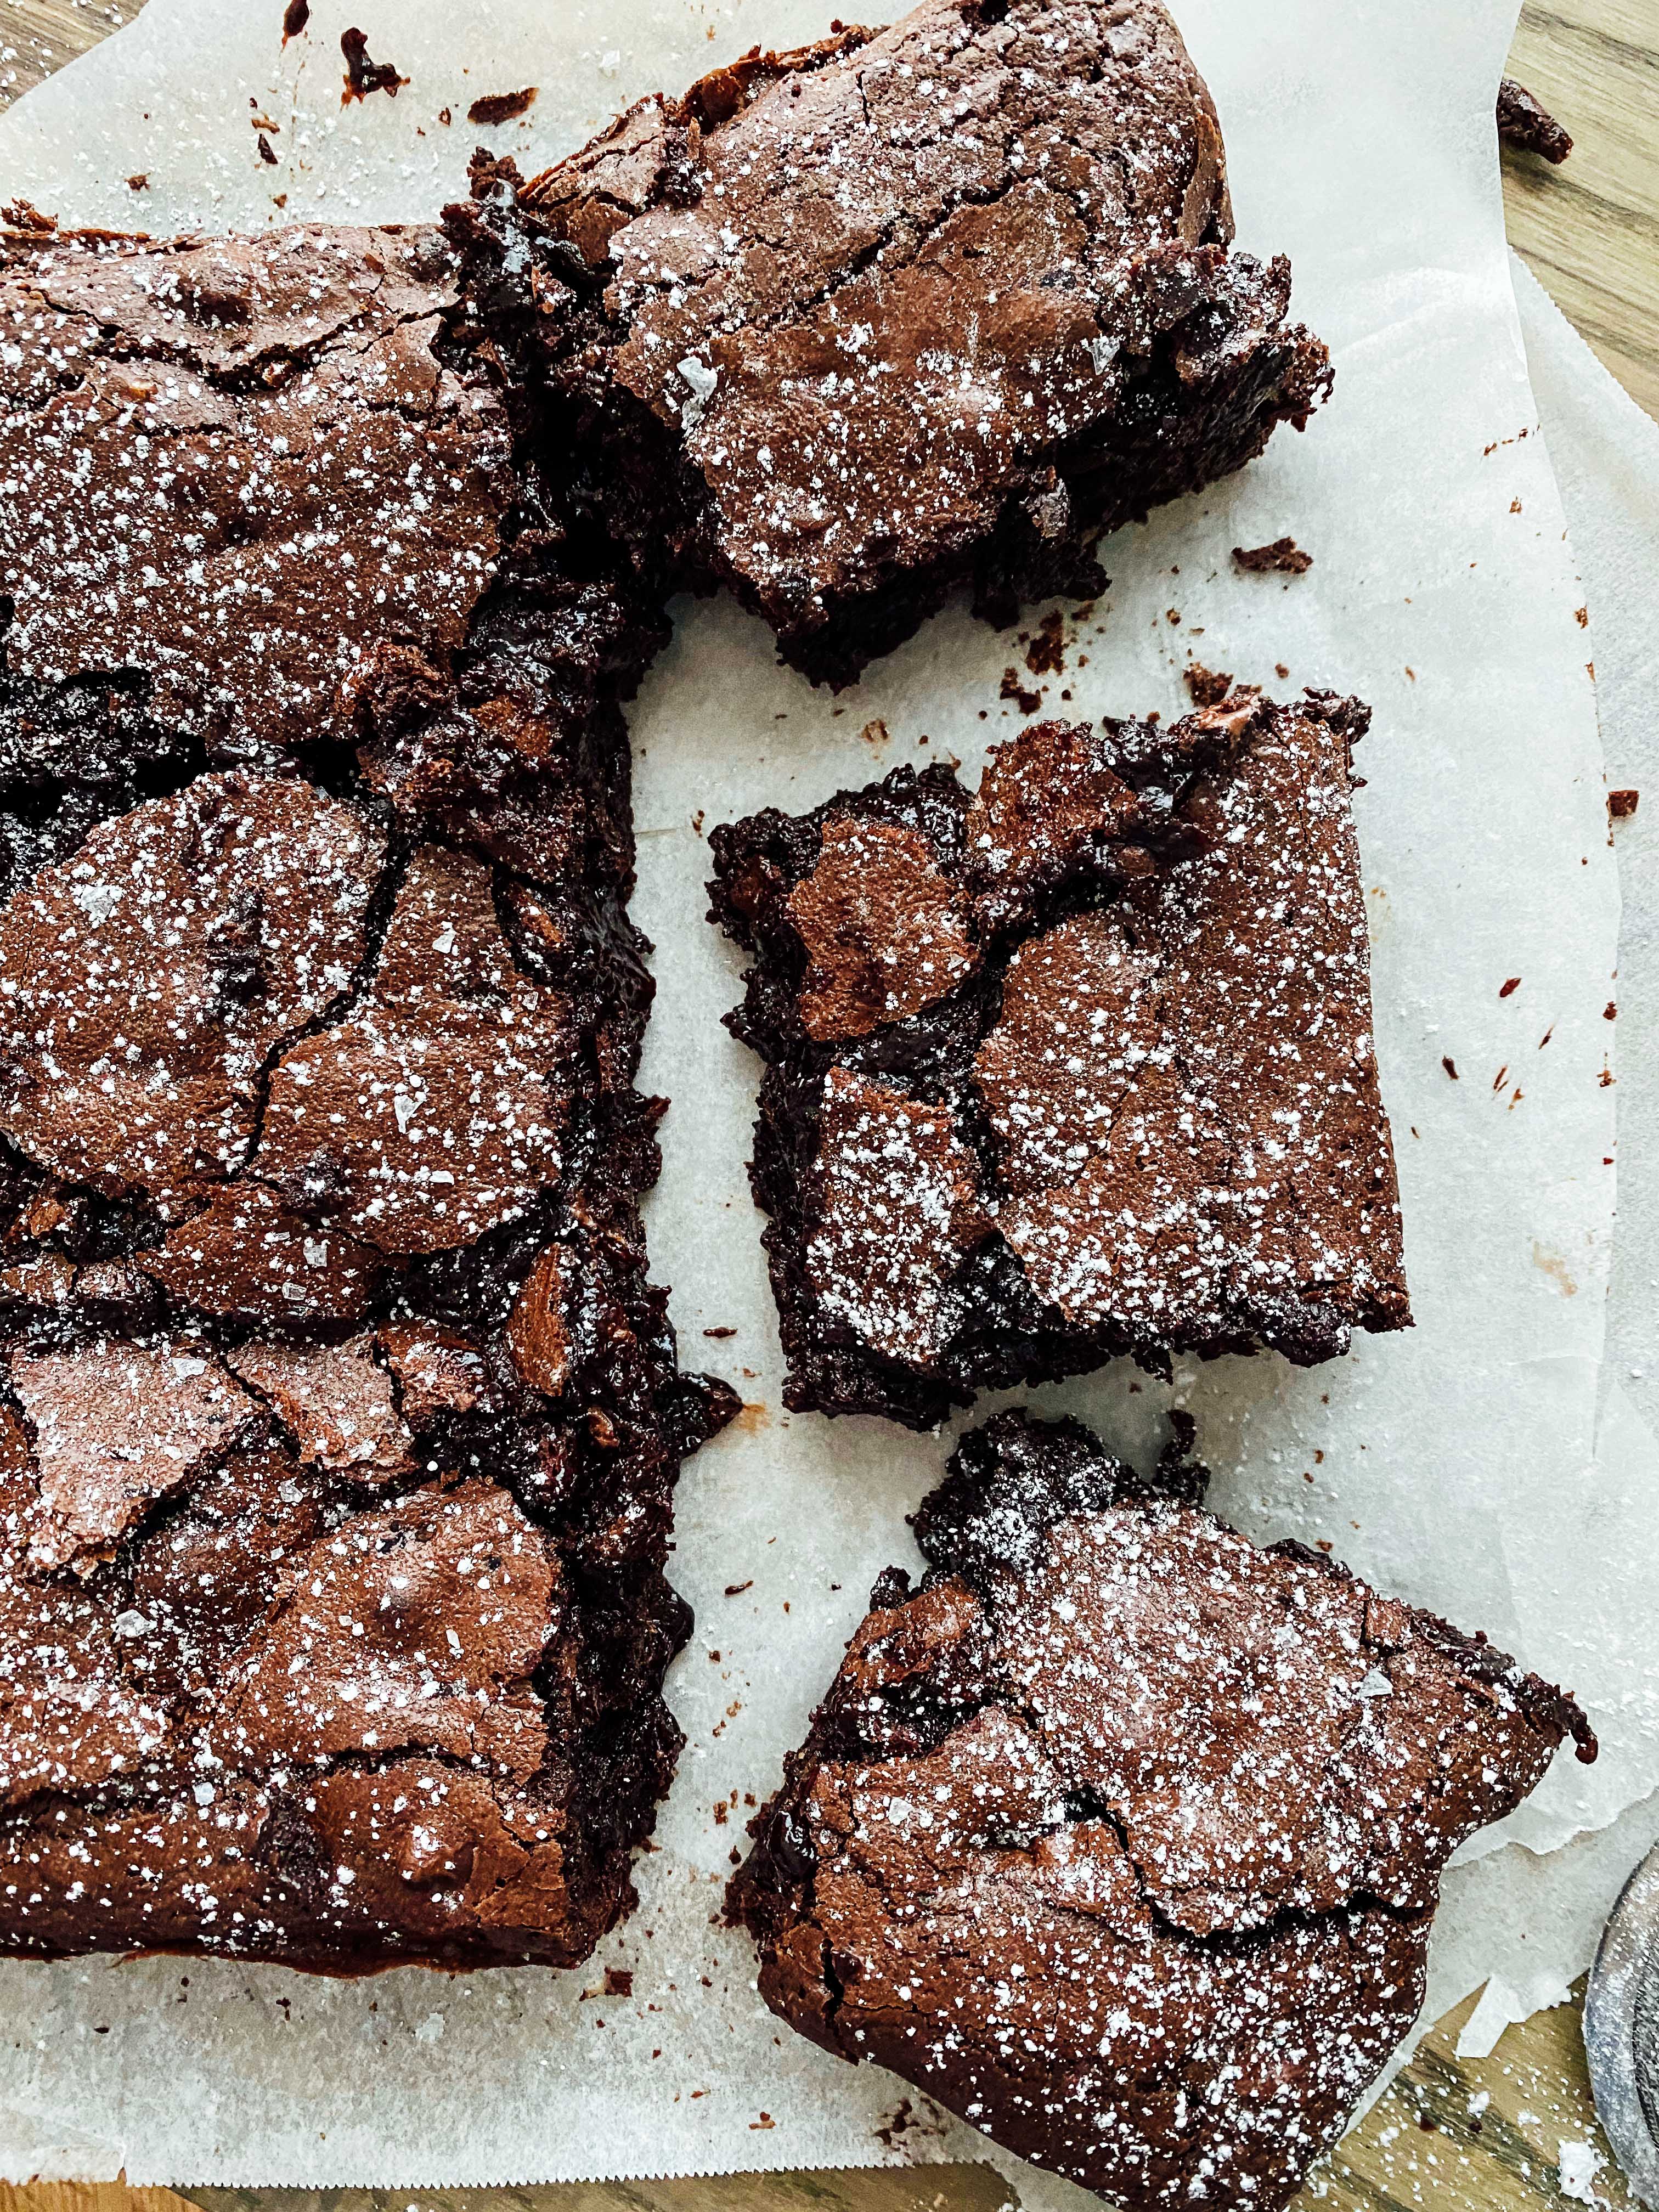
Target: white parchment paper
1458,1465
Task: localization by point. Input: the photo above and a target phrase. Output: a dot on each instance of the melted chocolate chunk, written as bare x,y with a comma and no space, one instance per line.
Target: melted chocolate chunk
1117,1789
1136,1107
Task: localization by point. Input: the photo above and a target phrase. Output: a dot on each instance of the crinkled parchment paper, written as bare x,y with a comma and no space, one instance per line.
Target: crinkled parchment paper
1458,1465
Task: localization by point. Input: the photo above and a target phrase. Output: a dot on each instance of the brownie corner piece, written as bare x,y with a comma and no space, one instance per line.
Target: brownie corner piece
1073,1064
1016,322
340,1419
1162,1956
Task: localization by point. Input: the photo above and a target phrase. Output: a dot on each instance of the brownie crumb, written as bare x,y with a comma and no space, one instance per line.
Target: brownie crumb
139,181
1047,654
295,17
496,107
1527,124
23,215
1207,687
1027,702
1284,554
364,75
1621,804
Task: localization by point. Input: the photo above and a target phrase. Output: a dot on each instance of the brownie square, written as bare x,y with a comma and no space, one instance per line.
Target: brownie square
907,312
1075,1064
339,1417
1120,1837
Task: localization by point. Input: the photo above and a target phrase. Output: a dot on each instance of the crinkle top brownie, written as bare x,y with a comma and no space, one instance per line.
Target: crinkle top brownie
240,464
1075,1064
1120,1837
341,1419
907,311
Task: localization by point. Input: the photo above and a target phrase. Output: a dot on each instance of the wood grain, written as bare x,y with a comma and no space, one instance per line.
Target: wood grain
39,36
1589,230
1450,2134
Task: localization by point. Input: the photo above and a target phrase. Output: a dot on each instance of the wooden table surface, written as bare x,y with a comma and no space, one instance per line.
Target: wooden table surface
1451,2135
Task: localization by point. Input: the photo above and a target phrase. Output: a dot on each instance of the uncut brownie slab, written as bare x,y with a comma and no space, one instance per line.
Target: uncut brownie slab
1075,1064
1121,1836
906,311
340,1420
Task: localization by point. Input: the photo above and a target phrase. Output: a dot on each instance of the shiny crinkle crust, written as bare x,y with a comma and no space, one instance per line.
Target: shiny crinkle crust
1077,1064
1121,1836
339,1418
912,310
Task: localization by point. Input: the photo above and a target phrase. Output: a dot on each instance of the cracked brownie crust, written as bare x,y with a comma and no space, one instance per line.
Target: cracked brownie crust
1076,1064
341,1419
1120,1837
903,312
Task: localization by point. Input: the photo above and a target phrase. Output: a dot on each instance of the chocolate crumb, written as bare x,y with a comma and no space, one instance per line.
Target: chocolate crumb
501,107
295,17
1284,554
618,1982
1027,702
1047,656
1450,1064
23,215
364,75
1621,804
1512,984
266,152
1207,687
1527,124
736,1589
139,181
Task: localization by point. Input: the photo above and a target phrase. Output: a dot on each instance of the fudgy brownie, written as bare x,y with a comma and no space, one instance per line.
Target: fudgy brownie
1120,1837
904,311
341,1419
1074,1065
